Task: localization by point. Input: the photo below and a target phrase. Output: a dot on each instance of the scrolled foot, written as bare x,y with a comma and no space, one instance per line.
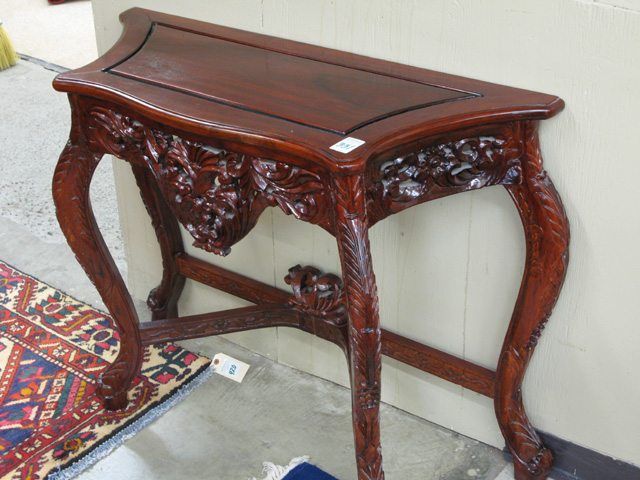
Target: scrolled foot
114,383
160,308
119,402
110,397
536,468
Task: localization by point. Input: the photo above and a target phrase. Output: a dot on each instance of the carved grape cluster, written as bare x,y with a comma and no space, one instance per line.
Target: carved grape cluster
443,169
473,162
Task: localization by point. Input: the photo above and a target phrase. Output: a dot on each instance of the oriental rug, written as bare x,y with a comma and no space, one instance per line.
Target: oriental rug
52,350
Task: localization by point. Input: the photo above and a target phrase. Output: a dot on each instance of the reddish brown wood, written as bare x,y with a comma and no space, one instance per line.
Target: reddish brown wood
547,235
327,325
163,300
217,195
219,124
363,98
403,349
229,321
73,208
230,282
364,325
308,144
318,294
477,158
438,363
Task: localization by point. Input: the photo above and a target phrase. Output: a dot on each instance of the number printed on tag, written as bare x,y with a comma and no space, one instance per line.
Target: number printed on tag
346,145
230,367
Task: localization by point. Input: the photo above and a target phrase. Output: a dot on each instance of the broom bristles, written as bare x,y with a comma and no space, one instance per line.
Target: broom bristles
8,55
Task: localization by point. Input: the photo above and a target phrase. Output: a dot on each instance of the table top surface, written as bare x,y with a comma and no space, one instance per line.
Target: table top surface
265,90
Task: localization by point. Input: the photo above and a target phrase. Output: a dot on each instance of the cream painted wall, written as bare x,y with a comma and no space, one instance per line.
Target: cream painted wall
449,271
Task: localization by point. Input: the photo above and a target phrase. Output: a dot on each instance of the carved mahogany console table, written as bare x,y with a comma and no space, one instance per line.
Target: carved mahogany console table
219,124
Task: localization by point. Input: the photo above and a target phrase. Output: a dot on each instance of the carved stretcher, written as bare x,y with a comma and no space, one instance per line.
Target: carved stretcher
219,124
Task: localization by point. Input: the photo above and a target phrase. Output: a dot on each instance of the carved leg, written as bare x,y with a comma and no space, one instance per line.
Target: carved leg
364,329
163,300
547,236
73,208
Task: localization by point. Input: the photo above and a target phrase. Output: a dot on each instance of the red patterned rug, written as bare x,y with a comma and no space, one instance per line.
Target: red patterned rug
52,350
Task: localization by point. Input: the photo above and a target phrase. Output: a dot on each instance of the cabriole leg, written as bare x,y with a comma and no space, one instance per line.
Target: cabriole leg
364,329
547,237
71,183
163,300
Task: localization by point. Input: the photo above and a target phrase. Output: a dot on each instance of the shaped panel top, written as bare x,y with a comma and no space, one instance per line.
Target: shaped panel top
310,92
258,90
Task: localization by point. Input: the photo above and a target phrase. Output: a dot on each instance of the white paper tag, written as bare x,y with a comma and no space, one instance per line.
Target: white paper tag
229,367
347,144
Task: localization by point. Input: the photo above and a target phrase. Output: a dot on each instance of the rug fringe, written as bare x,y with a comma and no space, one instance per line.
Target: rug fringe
103,450
276,472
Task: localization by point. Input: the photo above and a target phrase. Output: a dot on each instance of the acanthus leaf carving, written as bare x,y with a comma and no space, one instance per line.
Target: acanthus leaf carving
217,195
318,294
297,192
547,227
71,186
209,191
364,328
547,235
124,137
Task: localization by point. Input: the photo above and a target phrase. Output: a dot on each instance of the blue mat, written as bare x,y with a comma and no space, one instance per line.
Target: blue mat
306,471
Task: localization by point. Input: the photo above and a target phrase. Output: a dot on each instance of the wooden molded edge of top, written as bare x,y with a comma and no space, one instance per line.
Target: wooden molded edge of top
322,156
227,134
137,23
533,113
136,27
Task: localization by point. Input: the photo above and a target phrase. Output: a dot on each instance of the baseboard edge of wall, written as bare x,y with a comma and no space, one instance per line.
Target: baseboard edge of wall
574,462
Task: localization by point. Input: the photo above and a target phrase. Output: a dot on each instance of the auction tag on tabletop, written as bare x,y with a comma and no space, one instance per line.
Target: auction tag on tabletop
229,367
347,144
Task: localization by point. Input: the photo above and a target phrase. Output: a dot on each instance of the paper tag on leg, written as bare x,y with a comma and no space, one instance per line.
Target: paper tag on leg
230,367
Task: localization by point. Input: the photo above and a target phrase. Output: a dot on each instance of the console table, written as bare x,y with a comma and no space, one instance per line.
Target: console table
218,124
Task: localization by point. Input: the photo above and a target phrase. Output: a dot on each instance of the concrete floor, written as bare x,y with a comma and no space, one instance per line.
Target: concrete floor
223,430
